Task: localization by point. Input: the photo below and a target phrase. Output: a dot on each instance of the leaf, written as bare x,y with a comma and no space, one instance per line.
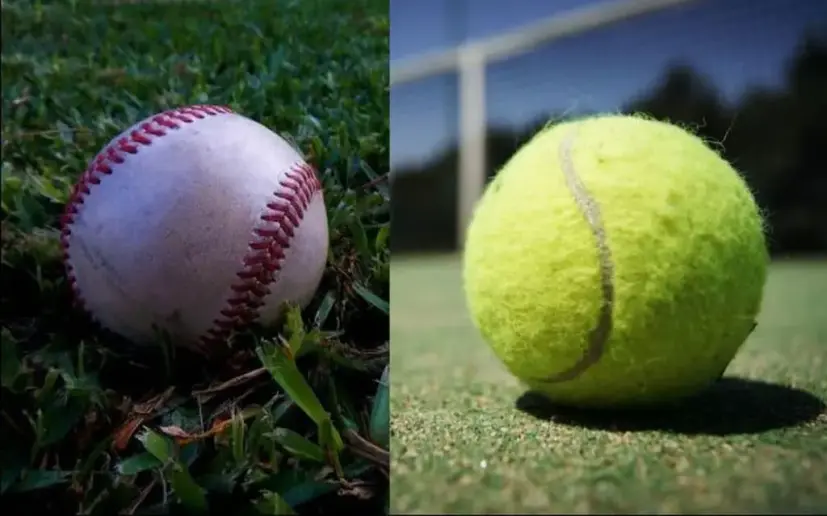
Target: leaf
34,479
272,503
296,487
381,186
328,301
286,374
159,446
297,444
59,419
380,412
138,463
44,394
329,438
313,121
65,132
294,328
192,495
312,489
371,298
237,438
284,371
381,242
360,237
368,170
175,431
255,432
281,409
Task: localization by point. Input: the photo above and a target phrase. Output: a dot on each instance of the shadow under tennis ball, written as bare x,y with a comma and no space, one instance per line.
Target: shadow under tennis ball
730,406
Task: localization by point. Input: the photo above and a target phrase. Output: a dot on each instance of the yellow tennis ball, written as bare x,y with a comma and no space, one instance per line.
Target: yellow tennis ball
615,261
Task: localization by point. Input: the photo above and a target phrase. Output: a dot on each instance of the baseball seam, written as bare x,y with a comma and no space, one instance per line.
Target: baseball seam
266,251
599,335
269,239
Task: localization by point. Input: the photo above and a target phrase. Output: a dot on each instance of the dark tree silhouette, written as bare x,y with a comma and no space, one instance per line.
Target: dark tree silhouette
776,138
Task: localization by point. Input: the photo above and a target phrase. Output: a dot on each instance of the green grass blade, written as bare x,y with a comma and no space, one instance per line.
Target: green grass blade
297,445
380,412
190,494
371,298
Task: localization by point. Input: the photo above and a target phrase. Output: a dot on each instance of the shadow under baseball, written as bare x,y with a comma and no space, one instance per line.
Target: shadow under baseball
730,406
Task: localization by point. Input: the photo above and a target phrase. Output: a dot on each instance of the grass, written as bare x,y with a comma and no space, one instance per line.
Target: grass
466,438
290,419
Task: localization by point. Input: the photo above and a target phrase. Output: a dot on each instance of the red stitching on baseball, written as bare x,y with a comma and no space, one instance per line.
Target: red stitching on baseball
266,251
115,153
268,242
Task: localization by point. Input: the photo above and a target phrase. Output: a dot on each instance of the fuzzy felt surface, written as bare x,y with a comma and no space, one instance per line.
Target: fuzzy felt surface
615,260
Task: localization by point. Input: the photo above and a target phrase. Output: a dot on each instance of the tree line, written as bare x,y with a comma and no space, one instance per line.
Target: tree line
777,139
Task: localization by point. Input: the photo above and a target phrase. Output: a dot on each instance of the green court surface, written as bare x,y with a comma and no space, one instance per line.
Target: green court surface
465,438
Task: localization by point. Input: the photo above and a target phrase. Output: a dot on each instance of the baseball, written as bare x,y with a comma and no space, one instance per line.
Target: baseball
195,221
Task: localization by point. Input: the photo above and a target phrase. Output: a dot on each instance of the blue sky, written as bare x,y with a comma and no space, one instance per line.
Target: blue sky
736,44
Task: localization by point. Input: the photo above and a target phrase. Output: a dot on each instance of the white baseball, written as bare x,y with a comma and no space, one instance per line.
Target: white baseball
195,221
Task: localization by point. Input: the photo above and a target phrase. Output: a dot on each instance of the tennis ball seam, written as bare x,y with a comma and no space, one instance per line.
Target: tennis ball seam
590,209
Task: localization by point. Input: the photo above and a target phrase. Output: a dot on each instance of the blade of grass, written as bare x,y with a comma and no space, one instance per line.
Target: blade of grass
371,298
380,412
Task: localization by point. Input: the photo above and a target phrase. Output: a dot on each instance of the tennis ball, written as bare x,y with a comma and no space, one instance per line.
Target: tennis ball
615,261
